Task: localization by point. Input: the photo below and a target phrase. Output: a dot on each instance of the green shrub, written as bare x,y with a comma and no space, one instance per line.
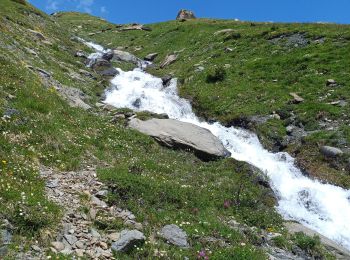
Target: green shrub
217,75
305,242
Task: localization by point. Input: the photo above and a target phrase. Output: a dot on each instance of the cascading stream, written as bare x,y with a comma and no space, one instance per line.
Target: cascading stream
321,207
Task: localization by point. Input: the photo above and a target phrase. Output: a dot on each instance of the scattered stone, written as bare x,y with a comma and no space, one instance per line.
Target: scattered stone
80,252
185,14
176,134
127,240
5,240
30,51
37,34
296,98
329,151
95,233
174,235
228,49
59,246
135,26
224,31
114,236
151,56
199,69
331,83
339,251
169,59
36,248
291,40
52,184
341,103
71,239
10,112
101,194
97,202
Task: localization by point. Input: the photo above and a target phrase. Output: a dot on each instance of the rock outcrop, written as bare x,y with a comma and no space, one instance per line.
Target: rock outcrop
185,14
176,134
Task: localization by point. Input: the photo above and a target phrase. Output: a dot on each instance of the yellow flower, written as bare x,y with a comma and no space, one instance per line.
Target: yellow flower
4,162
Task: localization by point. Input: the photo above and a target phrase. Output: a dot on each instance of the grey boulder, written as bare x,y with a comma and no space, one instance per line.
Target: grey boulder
329,151
127,240
126,57
174,235
176,134
104,68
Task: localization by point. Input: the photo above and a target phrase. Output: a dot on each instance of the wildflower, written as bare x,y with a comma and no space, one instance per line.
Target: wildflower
227,204
4,162
202,255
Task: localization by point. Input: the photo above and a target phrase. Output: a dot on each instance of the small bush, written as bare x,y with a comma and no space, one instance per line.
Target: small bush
305,242
219,74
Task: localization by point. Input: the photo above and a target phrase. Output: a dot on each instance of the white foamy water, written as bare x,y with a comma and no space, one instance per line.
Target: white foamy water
321,207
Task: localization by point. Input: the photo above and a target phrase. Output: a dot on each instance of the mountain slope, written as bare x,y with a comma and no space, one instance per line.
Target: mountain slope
51,125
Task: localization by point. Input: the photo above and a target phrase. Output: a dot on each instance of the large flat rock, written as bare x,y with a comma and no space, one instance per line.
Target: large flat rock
175,134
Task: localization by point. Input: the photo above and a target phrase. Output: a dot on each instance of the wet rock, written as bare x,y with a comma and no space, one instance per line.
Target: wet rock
104,68
174,235
176,134
339,251
185,14
127,240
296,98
137,103
80,54
166,80
151,56
169,59
329,151
108,55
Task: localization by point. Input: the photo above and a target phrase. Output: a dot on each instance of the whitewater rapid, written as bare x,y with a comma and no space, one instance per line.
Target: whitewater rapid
321,207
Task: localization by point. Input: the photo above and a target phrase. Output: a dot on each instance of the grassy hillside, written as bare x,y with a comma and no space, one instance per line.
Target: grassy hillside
244,77
160,186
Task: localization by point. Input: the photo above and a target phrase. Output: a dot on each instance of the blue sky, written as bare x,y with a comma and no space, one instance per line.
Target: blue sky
148,11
